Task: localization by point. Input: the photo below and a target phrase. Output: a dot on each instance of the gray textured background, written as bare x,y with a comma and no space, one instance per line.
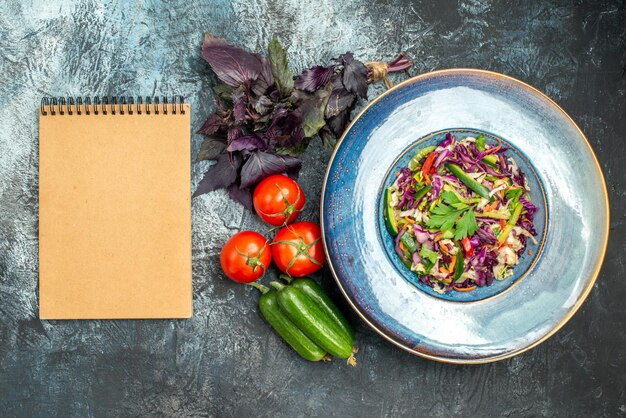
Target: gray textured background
225,361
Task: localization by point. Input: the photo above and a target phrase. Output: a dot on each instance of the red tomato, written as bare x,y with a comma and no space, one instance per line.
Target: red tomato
245,257
278,200
297,249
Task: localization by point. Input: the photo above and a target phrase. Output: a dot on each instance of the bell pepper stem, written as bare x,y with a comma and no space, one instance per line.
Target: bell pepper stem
277,285
286,278
259,287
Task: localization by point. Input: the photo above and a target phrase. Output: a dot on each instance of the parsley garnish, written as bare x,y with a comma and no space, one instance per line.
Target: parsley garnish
443,217
455,214
466,226
453,200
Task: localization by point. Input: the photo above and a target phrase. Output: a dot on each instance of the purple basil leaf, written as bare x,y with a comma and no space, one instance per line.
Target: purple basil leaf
294,172
296,136
263,105
248,142
211,125
265,79
329,140
338,123
289,129
210,149
232,65
243,196
280,67
239,107
220,175
340,99
234,133
278,114
294,151
223,91
354,75
261,165
260,124
312,112
314,78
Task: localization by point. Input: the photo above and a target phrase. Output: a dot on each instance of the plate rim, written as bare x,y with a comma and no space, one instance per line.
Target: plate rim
592,278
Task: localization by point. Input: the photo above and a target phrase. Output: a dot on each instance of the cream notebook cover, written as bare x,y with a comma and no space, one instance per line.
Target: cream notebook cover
114,210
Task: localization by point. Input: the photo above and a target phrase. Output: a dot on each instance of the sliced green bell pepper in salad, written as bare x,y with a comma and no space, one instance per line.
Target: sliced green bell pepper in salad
468,181
419,156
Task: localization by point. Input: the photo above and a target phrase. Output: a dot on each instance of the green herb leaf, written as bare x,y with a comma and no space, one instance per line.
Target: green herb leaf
454,200
211,148
294,151
224,91
512,204
443,217
460,206
466,226
280,69
480,143
450,197
312,111
429,255
513,193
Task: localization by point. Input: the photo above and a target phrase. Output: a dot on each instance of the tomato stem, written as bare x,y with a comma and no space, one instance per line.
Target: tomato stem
290,208
302,250
255,261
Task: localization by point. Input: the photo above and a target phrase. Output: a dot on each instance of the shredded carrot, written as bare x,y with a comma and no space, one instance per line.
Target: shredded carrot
444,270
502,223
444,249
490,206
447,280
409,220
452,264
496,149
530,252
464,289
502,194
427,180
402,246
438,237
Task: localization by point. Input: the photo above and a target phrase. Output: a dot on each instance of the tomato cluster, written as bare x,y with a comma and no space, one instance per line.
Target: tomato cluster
297,248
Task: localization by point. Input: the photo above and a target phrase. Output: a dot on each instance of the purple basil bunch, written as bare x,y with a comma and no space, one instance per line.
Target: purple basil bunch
265,116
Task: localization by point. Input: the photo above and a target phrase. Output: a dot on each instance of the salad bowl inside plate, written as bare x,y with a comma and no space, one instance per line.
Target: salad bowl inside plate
552,279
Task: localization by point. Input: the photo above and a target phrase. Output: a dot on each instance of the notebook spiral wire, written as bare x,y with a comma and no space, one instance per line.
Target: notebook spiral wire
112,105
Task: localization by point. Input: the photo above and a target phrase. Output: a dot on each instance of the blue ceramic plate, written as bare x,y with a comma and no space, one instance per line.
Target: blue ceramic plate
549,284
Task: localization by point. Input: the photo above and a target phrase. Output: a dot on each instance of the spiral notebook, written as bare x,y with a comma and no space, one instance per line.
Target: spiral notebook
114,208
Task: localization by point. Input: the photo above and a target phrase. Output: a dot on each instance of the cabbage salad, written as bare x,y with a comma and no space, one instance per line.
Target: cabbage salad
460,214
